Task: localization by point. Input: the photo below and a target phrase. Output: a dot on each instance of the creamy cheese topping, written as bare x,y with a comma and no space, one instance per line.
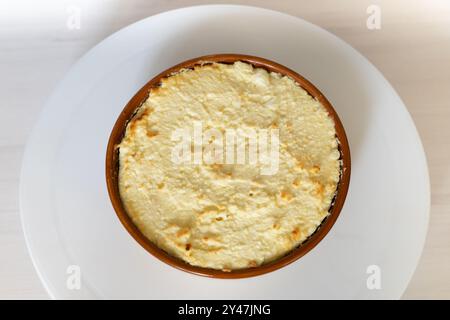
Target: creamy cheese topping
229,216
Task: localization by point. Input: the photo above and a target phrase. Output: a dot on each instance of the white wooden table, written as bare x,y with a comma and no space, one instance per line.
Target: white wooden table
412,50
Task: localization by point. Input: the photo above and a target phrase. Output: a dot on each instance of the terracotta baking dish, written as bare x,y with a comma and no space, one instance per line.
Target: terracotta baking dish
112,166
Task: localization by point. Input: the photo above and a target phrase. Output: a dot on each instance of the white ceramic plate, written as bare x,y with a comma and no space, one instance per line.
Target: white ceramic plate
67,216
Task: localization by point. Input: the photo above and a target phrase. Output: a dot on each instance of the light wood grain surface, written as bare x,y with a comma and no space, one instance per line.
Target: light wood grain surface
412,50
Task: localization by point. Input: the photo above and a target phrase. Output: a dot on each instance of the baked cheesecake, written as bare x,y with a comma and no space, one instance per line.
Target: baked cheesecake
224,215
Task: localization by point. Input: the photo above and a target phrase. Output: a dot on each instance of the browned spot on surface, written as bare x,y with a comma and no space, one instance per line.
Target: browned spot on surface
296,182
209,209
217,166
276,226
224,171
314,169
188,246
219,218
286,195
319,188
132,125
214,250
137,155
160,185
274,125
182,232
299,165
228,173
156,89
140,115
252,264
152,133
295,233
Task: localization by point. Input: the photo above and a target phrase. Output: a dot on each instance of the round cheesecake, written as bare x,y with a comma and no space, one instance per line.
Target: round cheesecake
228,215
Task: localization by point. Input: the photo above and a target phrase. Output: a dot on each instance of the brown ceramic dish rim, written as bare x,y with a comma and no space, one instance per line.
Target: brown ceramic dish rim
112,166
